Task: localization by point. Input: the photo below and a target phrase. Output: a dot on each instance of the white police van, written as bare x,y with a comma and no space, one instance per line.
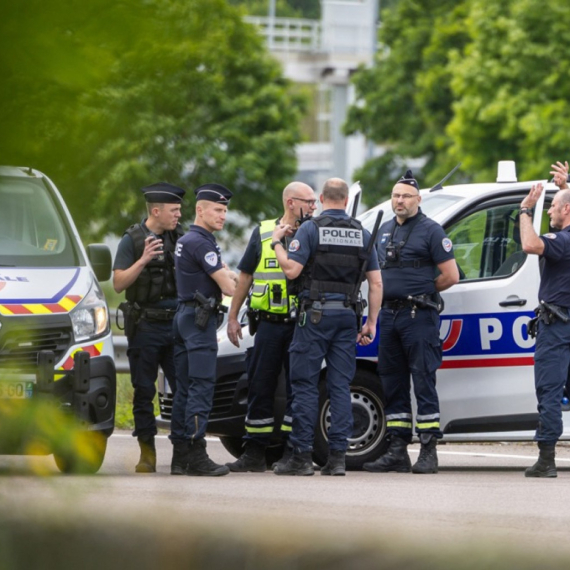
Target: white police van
55,338
486,381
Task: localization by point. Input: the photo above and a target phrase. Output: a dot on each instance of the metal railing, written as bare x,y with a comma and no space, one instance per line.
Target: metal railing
289,34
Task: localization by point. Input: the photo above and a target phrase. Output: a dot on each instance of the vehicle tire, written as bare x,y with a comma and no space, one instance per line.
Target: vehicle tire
87,456
233,445
368,436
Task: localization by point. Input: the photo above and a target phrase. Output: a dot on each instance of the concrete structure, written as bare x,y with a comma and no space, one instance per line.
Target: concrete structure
325,53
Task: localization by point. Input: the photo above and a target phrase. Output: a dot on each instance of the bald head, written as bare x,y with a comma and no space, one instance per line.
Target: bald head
296,189
335,190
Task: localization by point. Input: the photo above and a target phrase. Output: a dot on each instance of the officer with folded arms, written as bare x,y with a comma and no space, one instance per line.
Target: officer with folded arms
202,278
144,267
552,352
332,254
411,250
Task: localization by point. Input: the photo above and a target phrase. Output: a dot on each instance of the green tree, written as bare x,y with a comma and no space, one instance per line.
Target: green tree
511,88
176,90
405,98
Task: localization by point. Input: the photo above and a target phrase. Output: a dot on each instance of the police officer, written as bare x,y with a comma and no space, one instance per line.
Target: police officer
201,278
273,307
552,352
332,254
411,250
144,267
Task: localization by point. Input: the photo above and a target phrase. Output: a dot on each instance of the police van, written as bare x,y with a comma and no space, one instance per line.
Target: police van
486,381
55,338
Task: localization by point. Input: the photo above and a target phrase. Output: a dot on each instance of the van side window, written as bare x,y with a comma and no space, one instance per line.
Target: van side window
487,242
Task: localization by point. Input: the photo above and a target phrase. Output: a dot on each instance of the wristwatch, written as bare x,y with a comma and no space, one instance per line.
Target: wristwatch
527,211
274,243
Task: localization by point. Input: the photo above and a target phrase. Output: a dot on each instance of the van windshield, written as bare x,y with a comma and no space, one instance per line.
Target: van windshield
33,232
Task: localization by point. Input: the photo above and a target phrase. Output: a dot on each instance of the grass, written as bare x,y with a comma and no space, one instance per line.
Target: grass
124,412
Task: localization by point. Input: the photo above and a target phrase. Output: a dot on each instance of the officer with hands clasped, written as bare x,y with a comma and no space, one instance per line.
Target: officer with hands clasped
202,278
411,248
552,352
272,308
144,267
331,253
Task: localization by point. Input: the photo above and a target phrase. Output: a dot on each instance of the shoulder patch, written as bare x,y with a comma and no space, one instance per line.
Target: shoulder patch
294,245
549,236
447,244
211,258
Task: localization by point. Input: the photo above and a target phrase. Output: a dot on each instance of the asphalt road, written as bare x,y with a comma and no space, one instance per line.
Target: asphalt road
480,493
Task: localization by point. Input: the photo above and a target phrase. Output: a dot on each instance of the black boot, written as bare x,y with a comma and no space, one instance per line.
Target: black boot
298,464
545,466
427,460
252,459
396,458
335,464
147,461
200,464
179,462
287,453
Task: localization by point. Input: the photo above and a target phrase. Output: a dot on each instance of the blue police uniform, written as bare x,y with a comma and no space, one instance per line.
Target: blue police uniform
331,338
197,257
265,360
149,311
152,344
552,352
409,336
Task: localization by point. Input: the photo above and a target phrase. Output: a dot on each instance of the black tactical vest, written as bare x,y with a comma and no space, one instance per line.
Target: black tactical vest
156,281
338,260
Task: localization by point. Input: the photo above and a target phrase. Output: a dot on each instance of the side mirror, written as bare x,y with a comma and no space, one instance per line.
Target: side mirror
99,256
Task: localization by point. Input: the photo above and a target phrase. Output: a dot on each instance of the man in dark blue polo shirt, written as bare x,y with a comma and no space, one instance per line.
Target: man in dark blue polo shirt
411,249
201,278
329,252
552,352
144,268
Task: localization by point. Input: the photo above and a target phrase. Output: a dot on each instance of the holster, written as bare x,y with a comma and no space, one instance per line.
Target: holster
253,321
425,302
316,312
359,308
131,316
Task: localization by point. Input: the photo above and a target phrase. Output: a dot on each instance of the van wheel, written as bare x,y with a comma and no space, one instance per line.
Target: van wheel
368,441
86,458
233,445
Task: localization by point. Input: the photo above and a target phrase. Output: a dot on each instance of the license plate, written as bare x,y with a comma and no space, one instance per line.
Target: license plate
16,390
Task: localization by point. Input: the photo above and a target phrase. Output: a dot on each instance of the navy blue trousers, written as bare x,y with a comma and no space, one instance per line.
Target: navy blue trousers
333,339
551,360
195,353
410,346
151,346
268,356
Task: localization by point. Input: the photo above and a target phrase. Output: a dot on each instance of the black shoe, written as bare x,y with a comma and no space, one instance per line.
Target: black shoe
147,461
335,464
298,464
395,459
287,453
427,460
252,459
200,465
545,466
179,462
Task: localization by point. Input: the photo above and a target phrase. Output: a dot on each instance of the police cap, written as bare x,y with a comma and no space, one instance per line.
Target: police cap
163,193
213,192
409,179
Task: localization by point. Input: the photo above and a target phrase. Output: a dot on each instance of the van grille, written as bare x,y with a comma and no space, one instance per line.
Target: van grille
19,348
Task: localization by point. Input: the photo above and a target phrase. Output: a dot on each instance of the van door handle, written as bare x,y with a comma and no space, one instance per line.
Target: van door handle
513,301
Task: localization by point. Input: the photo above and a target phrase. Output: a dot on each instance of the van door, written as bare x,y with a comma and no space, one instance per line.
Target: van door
486,381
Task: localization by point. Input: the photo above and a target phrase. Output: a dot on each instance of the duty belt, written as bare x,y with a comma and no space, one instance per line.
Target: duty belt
158,314
273,318
396,304
336,305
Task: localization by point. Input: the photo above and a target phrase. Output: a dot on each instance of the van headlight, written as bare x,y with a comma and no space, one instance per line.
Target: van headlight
90,318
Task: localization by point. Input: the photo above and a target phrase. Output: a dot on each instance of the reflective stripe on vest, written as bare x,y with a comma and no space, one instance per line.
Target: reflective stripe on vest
269,278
